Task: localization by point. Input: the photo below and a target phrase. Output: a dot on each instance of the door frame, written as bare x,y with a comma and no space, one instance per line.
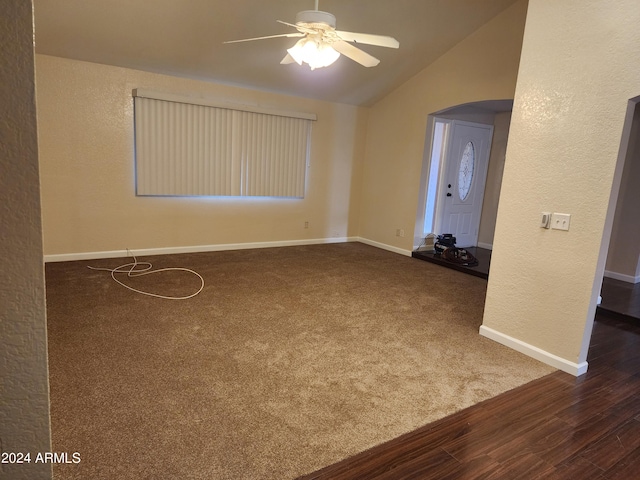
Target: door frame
433,177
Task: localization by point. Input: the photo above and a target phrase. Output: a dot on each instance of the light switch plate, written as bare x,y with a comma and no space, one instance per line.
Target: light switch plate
560,221
545,220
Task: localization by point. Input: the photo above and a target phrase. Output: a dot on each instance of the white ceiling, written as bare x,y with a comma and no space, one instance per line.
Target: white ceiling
185,38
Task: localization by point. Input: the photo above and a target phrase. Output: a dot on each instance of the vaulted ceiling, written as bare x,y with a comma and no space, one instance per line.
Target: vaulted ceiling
185,38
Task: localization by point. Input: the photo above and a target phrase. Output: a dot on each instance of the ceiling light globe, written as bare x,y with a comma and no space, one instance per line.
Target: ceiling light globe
323,56
315,53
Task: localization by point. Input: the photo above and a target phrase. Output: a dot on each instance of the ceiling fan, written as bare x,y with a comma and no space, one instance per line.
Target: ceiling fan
321,44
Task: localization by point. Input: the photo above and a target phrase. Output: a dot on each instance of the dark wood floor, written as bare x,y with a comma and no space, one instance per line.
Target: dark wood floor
556,427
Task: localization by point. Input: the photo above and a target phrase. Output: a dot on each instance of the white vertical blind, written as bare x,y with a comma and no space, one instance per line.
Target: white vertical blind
191,149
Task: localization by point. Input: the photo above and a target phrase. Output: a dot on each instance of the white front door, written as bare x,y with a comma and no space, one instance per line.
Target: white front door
465,173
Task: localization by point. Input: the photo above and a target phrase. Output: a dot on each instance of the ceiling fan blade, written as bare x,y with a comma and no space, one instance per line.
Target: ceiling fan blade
297,34
287,59
368,39
355,54
300,28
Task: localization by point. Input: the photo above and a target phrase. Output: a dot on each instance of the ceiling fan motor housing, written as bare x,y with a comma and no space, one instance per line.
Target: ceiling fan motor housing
316,16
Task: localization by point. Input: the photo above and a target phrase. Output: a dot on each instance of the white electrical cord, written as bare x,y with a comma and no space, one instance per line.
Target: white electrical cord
132,272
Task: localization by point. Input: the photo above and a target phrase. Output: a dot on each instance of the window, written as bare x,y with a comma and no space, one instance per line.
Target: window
438,149
188,147
466,170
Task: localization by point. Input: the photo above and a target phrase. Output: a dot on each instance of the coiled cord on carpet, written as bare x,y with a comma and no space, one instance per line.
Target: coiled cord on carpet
130,270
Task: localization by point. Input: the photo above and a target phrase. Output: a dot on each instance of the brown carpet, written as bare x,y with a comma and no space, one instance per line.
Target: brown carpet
289,360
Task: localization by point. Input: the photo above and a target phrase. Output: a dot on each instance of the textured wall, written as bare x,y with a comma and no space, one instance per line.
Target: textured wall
85,123
24,390
482,67
578,69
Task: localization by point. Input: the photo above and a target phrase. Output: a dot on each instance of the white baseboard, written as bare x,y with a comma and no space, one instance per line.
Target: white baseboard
488,246
576,369
384,246
622,277
68,257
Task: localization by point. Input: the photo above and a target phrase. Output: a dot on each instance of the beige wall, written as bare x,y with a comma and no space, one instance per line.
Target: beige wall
623,260
578,69
24,387
85,118
482,67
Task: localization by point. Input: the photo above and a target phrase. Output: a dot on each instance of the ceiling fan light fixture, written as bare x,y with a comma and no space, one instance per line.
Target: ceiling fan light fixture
316,17
315,53
321,44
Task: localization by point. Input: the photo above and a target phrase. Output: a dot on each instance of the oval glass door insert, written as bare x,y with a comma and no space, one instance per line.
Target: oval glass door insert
465,173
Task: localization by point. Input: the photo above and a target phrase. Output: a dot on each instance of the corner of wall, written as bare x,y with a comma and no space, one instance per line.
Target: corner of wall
24,387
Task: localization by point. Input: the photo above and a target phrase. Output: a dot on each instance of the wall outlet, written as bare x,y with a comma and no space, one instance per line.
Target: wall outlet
306,224
560,221
400,232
